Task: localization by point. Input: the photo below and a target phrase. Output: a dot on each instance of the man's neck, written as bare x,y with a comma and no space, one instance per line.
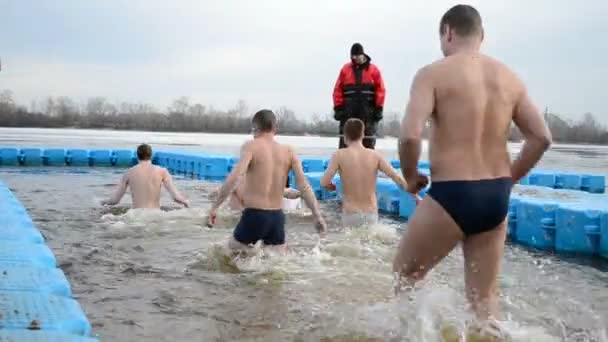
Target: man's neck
145,162
356,144
465,46
264,135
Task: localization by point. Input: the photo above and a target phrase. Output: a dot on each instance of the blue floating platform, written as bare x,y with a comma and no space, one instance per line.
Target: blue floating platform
314,164
100,158
26,253
34,279
38,311
215,167
31,156
77,157
577,230
593,183
41,336
12,233
603,249
54,156
568,181
388,195
123,158
9,156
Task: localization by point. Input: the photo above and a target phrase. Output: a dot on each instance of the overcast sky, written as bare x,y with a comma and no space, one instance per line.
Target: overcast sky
279,52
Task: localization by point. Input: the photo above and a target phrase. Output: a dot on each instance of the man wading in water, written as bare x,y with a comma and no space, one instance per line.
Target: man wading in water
145,181
265,164
358,167
472,100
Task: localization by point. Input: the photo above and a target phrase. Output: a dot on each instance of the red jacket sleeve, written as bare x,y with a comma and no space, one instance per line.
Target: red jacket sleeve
379,84
338,96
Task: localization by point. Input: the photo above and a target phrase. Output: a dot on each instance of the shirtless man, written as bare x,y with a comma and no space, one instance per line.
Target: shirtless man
145,181
264,164
472,100
358,167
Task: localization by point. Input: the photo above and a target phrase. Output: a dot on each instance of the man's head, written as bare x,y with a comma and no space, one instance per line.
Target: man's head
353,131
357,55
460,24
144,152
264,121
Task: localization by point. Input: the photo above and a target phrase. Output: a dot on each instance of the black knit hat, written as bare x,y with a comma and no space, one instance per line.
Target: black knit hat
356,49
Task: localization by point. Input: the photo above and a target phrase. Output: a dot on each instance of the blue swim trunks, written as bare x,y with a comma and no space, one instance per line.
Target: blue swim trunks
261,224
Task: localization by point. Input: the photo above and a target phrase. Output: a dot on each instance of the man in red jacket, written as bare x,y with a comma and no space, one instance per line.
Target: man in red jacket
359,93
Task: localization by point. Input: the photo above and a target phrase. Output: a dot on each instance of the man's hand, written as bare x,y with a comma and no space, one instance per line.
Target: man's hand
331,187
378,113
211,217
416,182
185,203
338,113
321,226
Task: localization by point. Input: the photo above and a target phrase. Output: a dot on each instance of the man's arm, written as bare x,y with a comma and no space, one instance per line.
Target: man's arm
120,192
419,108
388,170
234,177
176,195
338,97
380,90
538,137
291,194
328,176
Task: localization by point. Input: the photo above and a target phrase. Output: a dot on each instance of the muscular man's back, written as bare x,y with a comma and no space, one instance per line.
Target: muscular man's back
267,174
475,98
145,181
358,172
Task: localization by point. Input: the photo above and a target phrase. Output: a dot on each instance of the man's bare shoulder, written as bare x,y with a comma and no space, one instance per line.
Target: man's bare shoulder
337,156
248,144
502,70
287,152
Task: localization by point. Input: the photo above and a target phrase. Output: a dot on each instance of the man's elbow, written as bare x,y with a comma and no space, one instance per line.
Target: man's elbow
544,140
411,135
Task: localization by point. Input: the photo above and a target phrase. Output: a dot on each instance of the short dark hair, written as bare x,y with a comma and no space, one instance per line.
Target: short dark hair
465,20
264,120
144,152
354,129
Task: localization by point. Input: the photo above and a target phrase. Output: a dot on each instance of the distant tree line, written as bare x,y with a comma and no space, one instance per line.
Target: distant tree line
183,116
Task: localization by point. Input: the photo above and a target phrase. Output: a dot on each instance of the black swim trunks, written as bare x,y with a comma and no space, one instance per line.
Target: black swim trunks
261,224
476,206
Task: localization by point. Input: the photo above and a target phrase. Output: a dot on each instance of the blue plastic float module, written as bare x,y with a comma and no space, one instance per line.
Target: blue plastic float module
77,157
26,253
35,303
31,156
41,336
123,158
560,180
54,156
14,233
42,311
9,156
565,221
34,279
100,157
